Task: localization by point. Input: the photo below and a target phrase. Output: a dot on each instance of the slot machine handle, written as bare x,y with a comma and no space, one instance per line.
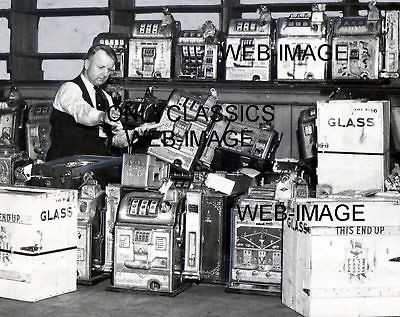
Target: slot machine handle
265,15
23,117
99,254
180,210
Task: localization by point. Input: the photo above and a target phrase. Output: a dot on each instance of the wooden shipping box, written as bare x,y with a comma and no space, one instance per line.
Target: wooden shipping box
38,237
343,268
353,171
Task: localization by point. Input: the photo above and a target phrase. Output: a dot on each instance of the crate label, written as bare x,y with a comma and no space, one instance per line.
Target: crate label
356,261
296,225
15,276
56,214
350,230
9,217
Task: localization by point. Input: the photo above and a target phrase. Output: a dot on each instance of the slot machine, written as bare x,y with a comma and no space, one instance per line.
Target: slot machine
12,162
184,125
301,43
143,171
197,53
148,244
193,250
390,67
356,46
151,48
91,232
256,244
135,112
114,194
12,124
38,129
250,141
205,236
248,44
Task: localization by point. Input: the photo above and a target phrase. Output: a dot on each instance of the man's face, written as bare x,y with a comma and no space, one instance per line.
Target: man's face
98,68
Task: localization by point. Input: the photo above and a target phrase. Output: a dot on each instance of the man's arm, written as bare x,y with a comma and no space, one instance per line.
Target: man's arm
69,100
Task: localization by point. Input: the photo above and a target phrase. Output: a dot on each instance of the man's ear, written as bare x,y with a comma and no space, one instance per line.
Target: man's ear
86,64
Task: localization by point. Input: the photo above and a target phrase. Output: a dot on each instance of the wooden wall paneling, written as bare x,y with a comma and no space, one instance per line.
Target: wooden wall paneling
283,125
23,64
229,13
121,15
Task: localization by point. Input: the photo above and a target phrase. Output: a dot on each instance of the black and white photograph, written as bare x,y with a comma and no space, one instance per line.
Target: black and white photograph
190,158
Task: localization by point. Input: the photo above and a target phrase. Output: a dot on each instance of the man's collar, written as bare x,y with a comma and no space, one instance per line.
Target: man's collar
87,83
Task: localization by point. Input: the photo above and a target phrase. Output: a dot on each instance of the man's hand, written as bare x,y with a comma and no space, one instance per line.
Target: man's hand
120,139
104,119
147,127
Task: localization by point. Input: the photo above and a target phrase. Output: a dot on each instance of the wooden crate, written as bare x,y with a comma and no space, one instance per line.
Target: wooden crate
353,126
352,171
343,268
353,144
38,230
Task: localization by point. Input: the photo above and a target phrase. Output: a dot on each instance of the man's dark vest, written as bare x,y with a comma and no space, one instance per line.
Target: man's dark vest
69,137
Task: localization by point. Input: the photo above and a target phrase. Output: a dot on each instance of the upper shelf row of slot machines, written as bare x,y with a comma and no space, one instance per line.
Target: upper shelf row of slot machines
302,46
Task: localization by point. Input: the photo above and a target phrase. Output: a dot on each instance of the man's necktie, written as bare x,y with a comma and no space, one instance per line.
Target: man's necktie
102,105
101,100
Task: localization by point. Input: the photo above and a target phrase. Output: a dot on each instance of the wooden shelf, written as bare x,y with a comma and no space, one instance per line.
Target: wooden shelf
24,21
279,93
5,13
276,93
44,56
273,7
179,9
62,12
302,6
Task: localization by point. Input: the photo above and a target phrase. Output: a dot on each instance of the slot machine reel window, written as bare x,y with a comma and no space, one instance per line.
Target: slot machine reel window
143,207
133,210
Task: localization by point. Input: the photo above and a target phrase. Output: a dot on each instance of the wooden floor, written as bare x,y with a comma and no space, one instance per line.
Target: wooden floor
197,300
